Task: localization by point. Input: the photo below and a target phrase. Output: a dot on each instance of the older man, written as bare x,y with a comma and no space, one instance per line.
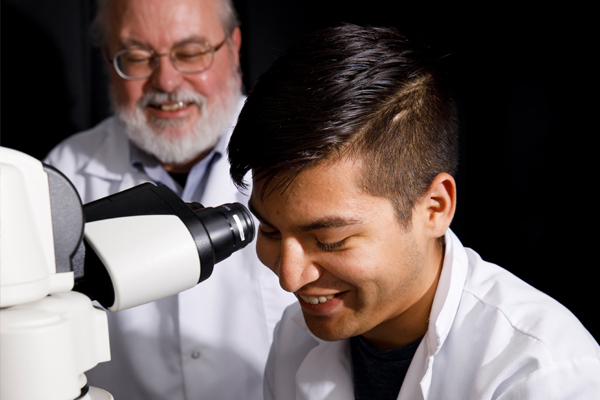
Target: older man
352,139
176,90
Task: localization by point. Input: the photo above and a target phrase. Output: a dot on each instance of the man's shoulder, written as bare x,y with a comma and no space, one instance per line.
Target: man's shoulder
83,146
530,313
508,339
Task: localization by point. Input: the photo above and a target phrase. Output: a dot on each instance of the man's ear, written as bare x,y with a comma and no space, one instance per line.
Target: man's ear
105,55
439,204
236,40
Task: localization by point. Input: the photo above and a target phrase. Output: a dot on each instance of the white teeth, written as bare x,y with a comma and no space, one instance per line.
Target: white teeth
316,299
173,107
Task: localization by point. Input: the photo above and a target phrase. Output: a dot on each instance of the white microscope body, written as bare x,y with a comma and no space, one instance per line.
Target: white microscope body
56,256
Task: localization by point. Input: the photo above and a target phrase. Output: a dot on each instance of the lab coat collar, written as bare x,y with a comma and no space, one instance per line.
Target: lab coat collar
332,379
443,311
448,293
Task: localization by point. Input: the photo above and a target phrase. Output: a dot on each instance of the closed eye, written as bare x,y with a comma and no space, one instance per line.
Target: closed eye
332,246
269,235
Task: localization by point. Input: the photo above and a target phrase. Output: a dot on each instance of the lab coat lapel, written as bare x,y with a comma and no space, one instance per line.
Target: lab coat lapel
219,187
325,373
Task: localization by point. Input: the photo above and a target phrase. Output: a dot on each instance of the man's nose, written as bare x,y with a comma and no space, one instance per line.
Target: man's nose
295,268
165,76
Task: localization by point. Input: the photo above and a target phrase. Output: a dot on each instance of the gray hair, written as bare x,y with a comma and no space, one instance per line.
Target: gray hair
99,26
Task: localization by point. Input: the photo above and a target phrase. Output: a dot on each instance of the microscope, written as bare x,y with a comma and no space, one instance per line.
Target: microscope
59,259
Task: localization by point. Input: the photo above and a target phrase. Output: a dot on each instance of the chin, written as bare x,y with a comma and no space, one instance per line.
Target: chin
177,146
175,131
178,140
330,331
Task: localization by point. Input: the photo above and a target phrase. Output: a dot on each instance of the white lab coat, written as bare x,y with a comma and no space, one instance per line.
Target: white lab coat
209,342
490,336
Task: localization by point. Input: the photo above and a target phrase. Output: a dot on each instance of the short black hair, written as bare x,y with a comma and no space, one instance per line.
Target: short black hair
351,91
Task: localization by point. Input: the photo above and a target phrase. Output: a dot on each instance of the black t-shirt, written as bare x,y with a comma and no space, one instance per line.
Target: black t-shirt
378,374
180,178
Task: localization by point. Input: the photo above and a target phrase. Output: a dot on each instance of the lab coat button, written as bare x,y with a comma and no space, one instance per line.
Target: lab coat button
196,354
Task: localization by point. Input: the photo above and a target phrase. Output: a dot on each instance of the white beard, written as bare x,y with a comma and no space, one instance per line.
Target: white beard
148,135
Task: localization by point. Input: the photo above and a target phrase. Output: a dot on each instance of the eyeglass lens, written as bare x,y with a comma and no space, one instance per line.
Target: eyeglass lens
188,58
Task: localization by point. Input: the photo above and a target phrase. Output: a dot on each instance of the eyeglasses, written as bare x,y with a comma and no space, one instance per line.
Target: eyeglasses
138,63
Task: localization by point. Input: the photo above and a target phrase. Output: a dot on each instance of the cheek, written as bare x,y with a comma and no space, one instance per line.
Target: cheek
205,83
127,93
215,84
348,267
367,270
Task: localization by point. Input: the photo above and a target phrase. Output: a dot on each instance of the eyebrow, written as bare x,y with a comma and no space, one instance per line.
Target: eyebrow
321,223
134,43
327,223
131,43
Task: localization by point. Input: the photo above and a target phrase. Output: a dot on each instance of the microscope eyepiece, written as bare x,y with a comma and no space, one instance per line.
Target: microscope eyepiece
230,227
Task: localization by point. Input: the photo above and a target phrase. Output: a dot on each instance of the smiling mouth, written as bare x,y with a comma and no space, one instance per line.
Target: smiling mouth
316,299
171,106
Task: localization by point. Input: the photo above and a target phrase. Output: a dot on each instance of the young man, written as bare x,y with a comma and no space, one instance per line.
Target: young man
352,140
176,91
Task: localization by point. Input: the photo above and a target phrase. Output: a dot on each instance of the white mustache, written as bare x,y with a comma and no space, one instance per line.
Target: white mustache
156,98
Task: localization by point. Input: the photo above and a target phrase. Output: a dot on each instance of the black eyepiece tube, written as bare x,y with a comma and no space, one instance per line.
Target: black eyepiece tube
230,227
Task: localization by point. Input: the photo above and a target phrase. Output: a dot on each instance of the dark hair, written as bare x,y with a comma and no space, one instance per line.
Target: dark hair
350,91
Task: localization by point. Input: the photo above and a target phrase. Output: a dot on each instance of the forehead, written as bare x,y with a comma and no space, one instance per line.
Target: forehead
324,190
163,23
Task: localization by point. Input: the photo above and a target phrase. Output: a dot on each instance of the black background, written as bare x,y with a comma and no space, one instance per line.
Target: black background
524,80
